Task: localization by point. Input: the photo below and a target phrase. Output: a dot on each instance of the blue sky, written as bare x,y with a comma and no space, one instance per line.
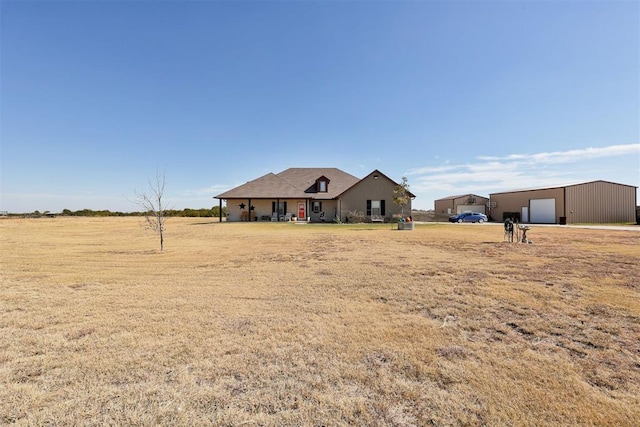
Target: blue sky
459,96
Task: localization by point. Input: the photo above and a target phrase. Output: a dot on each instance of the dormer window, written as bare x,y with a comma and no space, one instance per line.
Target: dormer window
322,184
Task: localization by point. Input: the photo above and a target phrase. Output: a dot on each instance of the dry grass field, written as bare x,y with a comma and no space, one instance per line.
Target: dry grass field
276,324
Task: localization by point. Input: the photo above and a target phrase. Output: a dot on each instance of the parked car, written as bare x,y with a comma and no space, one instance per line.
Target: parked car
469,217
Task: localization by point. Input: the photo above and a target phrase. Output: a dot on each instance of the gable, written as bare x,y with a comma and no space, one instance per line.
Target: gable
377,177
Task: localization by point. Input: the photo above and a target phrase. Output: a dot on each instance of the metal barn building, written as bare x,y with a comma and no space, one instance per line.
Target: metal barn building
462,203
597,202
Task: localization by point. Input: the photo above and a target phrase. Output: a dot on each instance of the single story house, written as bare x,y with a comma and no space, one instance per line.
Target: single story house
313,195
590,202
463,203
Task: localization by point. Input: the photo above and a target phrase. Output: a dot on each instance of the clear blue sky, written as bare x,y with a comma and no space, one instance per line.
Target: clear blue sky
460,97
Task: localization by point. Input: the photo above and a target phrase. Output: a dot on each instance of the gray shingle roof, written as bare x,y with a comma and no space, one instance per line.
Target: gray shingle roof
293,183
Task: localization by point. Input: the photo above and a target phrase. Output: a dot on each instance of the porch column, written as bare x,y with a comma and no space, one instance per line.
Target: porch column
220,213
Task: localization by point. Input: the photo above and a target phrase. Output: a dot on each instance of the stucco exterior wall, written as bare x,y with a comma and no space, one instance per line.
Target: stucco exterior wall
329,207
262,208
371,188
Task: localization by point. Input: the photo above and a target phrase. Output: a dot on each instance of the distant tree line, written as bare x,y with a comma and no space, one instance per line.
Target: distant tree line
213,212
204,212
89,212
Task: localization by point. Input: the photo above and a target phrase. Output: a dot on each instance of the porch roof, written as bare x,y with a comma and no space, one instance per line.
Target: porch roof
266,186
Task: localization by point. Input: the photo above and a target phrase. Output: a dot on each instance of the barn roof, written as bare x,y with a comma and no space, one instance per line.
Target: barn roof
551,187
461,196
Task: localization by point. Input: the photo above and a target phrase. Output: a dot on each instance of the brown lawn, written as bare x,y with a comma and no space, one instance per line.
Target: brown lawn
281,324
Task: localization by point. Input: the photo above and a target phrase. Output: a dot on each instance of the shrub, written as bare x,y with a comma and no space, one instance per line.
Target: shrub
356,217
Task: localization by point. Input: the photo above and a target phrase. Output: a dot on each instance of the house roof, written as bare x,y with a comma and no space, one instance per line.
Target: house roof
269,185
293,183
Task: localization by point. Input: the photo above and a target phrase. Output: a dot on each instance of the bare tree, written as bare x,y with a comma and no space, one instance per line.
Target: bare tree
152,207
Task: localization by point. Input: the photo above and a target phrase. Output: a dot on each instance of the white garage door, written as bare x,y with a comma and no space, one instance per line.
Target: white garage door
542,211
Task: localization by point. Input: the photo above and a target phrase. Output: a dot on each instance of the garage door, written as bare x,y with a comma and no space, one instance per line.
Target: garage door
542,211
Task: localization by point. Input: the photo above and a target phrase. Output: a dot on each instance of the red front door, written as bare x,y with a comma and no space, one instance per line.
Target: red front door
301,212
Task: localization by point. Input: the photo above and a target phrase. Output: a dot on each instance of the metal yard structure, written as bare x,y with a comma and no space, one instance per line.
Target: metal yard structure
596,202
452,205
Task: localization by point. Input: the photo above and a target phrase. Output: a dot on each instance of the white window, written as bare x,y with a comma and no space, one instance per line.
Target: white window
317,207
322,186
375,208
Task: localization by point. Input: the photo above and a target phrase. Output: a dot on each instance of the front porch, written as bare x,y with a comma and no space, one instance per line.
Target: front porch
280,210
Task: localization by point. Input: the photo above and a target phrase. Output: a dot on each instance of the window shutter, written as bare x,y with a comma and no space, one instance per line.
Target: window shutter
368,207
273,207
320,206
285,207
382,208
